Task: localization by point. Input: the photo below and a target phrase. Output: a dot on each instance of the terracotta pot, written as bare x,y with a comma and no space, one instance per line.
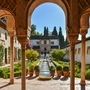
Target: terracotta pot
66,73
37,73
59,73
30,73
26,72
52,73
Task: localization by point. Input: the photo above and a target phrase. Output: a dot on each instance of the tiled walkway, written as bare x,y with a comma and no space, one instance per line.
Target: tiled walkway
34,84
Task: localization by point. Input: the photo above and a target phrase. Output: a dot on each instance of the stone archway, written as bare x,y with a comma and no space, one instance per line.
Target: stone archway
64,5
84,25
10,27
71,27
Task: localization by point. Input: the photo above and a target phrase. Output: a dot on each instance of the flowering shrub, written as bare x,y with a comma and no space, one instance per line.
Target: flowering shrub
29,45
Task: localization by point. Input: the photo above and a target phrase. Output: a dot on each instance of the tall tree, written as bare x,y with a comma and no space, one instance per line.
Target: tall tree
45,31
33,28
54,31
33,31
61,38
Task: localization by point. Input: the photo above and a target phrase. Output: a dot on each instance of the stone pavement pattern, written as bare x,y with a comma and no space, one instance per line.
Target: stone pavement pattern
34,84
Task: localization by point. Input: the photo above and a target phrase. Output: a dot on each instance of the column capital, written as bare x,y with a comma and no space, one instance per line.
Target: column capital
11,31
72,39
83,30
23,41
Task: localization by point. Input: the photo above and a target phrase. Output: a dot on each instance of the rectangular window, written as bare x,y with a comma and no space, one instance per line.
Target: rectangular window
75,51
45,42
52,42
6,36
88,50
79,50
37,42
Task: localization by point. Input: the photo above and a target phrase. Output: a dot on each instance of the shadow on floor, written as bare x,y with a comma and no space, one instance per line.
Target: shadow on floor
83,87
56,78
4,85
29,78
64,78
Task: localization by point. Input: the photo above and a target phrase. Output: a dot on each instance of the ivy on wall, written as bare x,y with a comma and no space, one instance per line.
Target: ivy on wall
19,54
1,53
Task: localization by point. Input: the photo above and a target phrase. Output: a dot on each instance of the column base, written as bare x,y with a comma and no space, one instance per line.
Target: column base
83,82
11,81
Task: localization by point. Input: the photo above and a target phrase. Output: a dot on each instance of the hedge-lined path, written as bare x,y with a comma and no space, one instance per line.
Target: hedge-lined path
34,84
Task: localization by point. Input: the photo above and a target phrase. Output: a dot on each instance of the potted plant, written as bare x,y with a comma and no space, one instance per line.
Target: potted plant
59,70
26,71
66,71
37,70
52,70
31,69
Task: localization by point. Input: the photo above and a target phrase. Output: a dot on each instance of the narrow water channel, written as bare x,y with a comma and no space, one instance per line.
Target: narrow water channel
44,70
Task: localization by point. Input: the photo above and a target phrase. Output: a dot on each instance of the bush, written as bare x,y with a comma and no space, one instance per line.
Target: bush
59,67
66,68
31,55
57,54
87,76
52,68
78,75
4,72
37,68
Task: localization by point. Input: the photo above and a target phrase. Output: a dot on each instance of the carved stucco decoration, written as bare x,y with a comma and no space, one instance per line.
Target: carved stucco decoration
9,4
82,5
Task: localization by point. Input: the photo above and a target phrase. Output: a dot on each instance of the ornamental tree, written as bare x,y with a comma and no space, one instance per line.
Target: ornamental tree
57,54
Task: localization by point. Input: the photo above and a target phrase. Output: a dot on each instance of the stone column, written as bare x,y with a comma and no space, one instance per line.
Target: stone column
11,60
72,40
23,43
83,33
11,33
23,79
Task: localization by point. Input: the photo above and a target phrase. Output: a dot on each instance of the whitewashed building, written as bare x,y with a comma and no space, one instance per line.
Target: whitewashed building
44,44
5,40
78,51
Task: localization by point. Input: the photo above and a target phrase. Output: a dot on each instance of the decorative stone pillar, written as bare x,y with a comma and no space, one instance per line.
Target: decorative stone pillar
72,40
23,41
83,33
11,33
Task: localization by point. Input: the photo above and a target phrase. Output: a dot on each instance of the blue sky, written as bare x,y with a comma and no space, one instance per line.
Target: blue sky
49,15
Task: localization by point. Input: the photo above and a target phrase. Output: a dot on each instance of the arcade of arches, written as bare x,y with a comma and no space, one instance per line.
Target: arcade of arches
18,14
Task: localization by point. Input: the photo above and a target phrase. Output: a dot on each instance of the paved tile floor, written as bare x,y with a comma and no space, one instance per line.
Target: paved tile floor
35,84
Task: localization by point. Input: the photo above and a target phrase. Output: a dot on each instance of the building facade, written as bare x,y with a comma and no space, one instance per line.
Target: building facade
18,14
5,41
78,51
44,44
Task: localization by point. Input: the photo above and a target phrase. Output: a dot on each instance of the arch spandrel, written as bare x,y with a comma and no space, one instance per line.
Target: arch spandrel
83,5
10,5
32,4
10,21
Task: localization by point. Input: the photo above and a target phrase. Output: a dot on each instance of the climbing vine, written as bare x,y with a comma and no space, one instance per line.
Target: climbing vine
1,53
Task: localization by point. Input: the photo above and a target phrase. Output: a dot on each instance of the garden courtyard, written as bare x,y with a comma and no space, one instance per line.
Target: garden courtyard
34,84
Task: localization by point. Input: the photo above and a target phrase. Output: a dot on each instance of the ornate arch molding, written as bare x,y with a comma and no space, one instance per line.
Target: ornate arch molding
83,5
84,19
9,5
32,4
10,21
